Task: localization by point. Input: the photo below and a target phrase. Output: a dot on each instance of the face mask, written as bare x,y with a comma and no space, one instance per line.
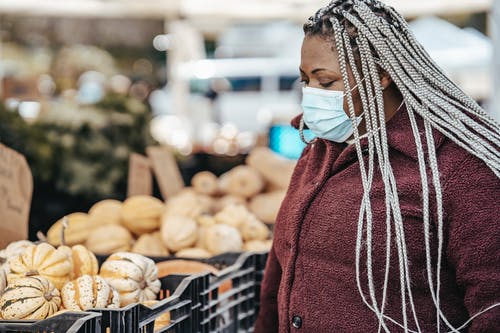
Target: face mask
324,114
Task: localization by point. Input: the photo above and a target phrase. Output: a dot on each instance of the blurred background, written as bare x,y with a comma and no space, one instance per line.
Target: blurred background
84,83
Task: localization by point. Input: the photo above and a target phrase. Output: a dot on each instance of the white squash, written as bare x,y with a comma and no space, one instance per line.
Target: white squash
33,297
12,250
134,276
3,281
178,232
222,238
89,292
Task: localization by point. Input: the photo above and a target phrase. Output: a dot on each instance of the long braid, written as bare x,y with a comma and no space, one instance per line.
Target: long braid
373,36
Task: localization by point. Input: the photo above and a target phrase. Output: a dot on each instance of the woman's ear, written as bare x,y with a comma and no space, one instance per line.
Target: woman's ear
385,80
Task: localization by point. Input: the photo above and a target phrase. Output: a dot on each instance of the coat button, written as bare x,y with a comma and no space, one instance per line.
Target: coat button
297,322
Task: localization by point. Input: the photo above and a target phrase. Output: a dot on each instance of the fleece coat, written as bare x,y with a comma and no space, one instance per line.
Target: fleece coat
310,279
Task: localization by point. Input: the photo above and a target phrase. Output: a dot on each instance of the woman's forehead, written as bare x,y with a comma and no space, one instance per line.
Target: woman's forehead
318,52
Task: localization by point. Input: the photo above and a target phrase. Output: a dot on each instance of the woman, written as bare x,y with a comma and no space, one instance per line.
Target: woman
391,220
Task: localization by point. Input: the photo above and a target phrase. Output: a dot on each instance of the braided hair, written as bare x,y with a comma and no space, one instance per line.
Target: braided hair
371,37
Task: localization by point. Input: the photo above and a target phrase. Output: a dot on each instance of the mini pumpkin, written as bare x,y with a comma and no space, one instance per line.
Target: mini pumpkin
253,229
89,292
189,205
77,231
84,261
228,200
44,260
205,182
242,181
33,297
12,250
106,212
141,214
150,245
134,276
222,238
178,232
233,215
108,239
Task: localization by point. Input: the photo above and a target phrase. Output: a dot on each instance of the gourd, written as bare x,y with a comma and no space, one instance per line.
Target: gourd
108,239
106,212
134,276
89,292
193,252
228,200
178,232
222,238
84,261
76,232
12,250
241,181
33,297
253,229
273,168
233,215
150,245
141,214
205,182
189,205
44,260
266,206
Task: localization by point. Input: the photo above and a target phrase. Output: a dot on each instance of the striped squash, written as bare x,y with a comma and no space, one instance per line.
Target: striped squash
89,292
84,261
134,276
33,297
42,259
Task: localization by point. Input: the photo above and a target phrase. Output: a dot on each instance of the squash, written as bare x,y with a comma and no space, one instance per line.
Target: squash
242,181
189,205
42,259
253,229
12,250
205,220
162,320
32,297
193,252
108,239
84,261
188,267
78,230
106,212
134,276
141,214
150,245
178,232
205,182
266,206
89,292
273,168
233,215
228,200
3,280
222,238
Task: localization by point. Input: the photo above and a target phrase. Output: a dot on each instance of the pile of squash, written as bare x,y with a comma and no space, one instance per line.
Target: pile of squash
229,213
39,280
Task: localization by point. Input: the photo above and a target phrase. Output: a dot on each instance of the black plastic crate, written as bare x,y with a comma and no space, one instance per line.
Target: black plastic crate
66,322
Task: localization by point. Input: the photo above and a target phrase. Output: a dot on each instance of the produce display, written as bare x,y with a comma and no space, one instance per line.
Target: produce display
230,213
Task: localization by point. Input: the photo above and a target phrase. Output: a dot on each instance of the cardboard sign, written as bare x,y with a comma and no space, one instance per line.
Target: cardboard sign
166,171
16,189
140,178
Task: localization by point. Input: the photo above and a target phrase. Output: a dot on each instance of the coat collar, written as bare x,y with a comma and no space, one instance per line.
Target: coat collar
399,135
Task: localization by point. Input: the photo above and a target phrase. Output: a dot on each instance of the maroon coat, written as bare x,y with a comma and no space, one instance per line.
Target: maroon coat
310,277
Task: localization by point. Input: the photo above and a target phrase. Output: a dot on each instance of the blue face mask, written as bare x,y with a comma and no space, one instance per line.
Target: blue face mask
324,114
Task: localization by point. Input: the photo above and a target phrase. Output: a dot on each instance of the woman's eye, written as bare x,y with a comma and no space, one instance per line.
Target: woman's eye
304,82
327,84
